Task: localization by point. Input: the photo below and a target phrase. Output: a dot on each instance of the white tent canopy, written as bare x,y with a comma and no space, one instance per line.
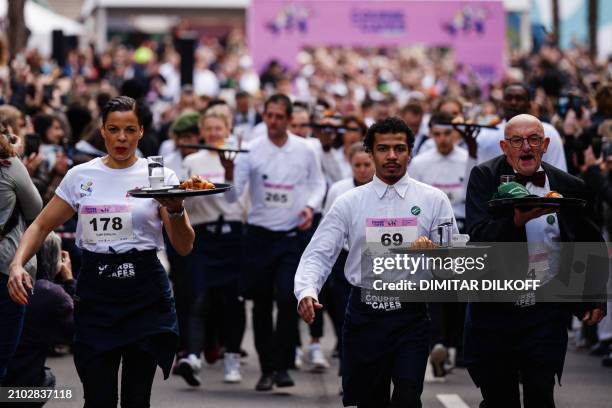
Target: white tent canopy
41,22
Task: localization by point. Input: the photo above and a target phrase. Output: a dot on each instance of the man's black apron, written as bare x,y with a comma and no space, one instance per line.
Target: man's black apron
381,344
124,299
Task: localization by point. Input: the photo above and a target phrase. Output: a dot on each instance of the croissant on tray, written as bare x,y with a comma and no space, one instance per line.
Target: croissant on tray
553,194
196,183
422,242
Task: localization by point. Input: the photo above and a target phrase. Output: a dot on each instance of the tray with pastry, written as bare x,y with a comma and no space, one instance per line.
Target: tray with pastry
514,194
194,186
424,245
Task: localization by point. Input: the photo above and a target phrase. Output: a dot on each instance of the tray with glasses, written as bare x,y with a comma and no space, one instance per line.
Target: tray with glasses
194,186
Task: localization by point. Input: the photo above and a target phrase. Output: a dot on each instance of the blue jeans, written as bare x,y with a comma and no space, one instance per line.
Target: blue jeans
11,323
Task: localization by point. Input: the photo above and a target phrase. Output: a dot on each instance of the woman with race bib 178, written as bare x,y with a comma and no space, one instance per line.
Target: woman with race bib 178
124,310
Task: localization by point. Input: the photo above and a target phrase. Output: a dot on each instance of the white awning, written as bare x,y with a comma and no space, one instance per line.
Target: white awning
41,22
90,5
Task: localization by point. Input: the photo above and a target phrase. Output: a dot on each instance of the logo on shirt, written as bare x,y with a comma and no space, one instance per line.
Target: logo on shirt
415,210
550,219
87,188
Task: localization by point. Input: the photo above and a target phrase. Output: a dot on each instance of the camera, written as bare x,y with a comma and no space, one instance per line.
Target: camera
571,101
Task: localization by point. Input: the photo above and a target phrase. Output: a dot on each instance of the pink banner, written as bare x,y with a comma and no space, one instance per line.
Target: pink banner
475,30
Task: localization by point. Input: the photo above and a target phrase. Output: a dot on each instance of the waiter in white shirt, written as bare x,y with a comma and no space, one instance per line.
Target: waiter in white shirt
443,168
285,185
380,343
213,267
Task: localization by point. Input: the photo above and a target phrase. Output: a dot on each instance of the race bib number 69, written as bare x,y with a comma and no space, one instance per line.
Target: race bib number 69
106,223
391,232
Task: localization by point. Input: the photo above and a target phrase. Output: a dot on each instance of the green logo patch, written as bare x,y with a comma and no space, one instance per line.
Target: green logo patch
415,210
550,219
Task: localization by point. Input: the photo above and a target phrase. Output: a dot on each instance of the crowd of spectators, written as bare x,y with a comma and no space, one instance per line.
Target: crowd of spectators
52,113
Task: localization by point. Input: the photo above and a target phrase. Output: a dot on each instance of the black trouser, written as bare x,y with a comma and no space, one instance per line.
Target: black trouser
447,321
341,289
100,383
272,261
500,389
225,302
180,290
380,347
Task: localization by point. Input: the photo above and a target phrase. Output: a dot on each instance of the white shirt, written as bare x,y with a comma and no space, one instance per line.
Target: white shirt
544,237
443,172
167,147
335,191
202,210
358,210
488,145
205,82
282,182
345,166
174,161
107,216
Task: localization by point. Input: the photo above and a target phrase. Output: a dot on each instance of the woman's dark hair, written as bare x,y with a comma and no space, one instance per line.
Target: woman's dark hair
283,100
121,104
42,122
6,148
386,126
360,123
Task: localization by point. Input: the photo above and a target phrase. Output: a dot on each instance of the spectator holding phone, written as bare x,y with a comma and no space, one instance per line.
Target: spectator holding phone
55,160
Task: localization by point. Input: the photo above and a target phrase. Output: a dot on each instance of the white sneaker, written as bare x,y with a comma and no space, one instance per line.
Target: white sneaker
188,368
299,358
438,356
231,366
429,373
316,357
451,361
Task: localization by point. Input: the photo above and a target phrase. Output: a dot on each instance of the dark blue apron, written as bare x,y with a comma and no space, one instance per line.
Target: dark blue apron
378,345
217,255
124,299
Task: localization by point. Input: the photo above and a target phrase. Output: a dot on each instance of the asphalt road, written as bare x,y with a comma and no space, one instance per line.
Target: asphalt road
586,384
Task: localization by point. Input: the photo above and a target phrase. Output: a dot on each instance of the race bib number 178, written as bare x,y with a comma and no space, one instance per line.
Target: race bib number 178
106,223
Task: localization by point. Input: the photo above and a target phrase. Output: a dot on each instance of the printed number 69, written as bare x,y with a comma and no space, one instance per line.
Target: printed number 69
388,239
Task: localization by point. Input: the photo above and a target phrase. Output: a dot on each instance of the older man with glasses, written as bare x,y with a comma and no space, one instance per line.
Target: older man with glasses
525,341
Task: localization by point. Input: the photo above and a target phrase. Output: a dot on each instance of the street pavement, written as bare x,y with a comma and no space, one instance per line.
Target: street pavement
585,384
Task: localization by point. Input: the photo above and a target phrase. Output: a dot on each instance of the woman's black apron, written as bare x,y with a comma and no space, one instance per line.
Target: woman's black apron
124,299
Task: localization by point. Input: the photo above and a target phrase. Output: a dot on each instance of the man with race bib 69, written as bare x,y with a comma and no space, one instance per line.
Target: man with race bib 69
381,342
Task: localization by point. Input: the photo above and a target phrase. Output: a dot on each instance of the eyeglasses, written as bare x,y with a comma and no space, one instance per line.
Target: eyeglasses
517,141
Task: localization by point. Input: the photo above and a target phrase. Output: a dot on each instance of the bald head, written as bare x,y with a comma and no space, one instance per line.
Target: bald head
524,143
522,120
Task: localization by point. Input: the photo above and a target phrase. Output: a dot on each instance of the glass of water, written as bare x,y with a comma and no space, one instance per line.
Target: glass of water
445,232
156,171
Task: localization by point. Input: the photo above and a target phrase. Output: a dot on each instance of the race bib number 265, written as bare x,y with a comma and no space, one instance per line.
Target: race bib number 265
106,223
278,196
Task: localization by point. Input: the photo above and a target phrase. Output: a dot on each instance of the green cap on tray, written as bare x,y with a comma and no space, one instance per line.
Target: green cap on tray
512,190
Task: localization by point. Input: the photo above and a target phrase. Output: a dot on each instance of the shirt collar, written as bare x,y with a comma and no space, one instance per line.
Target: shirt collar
401,186
287,147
